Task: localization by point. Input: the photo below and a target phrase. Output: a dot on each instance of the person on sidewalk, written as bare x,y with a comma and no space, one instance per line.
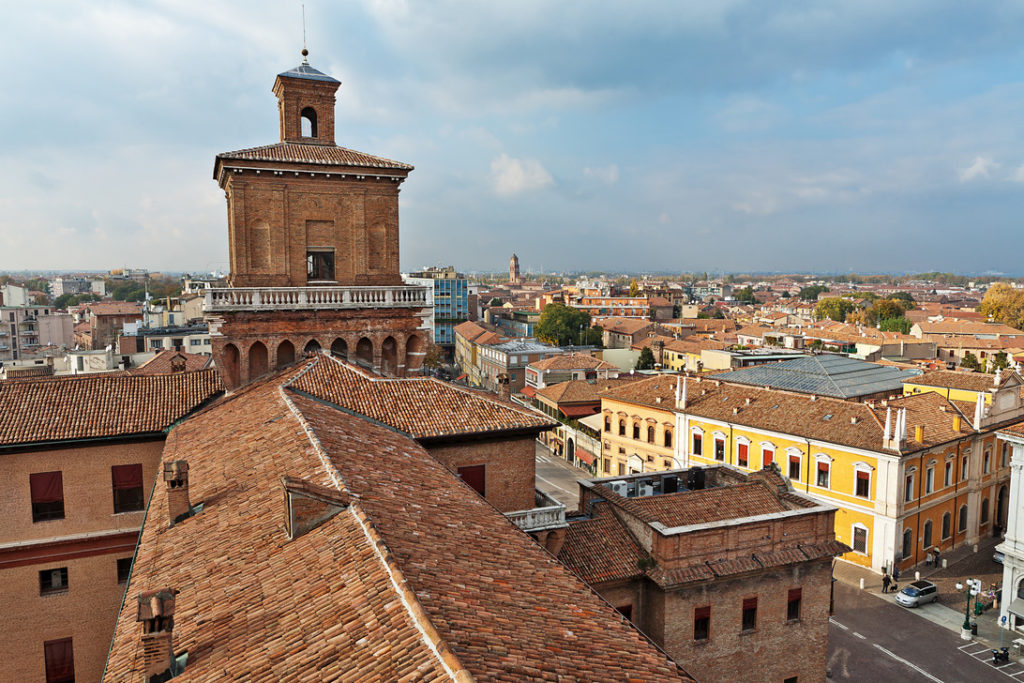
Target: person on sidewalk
885,582
895,574
929,559
938,554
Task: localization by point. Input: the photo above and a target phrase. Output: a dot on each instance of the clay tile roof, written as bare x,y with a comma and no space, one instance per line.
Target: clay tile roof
421,407
99,406
572,361
624,325
704,506
573,391
165,361
316,154
600,549
417,561
116,308
966,327
969,381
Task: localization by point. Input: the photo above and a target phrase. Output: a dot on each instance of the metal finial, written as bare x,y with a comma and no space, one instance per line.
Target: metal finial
305,52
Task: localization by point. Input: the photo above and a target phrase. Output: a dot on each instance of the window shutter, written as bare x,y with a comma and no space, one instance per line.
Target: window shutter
126,476
47,487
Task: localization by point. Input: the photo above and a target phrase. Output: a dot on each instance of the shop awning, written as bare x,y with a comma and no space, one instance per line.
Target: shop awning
576,411
584,456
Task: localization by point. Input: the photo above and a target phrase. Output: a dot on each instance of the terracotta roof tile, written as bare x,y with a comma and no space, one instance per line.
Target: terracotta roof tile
599,548
422,407
165,361
703,506
102,405
417,547
322,155
969,381
572,361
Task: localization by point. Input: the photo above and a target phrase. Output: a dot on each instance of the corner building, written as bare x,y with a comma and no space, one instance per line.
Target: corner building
313,240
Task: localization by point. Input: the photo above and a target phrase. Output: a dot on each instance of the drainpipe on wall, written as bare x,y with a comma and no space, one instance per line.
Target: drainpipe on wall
807,475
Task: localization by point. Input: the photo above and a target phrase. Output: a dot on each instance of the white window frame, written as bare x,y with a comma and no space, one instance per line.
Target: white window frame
853,538
792,451
828,460
773,448
742,441
715,437
911,474
697,431
929,478
862,467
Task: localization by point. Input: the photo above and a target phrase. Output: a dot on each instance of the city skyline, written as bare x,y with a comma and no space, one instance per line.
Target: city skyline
726,138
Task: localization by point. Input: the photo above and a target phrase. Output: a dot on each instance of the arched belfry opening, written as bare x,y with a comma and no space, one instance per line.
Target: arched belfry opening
307,123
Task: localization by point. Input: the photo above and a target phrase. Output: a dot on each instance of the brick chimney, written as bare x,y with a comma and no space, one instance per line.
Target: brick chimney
156,612
176,480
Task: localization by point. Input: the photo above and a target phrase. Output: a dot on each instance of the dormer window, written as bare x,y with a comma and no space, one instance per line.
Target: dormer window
307,123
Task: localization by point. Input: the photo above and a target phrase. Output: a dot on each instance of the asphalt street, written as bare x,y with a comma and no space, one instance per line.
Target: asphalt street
557,478
874,640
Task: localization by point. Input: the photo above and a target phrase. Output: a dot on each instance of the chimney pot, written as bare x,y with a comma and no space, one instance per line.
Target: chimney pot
176,481
748,400
156,613
736,411
853,419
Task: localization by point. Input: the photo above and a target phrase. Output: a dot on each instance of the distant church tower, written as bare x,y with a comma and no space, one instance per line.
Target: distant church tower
513,270
313,238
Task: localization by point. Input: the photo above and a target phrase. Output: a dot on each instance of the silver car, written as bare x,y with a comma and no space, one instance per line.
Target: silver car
918,593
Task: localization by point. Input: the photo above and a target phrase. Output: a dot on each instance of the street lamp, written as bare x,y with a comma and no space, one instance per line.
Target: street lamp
973,587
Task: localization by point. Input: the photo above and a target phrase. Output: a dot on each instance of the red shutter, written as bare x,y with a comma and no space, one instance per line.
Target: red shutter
743,453
863,476
823,467
794,594
47,487
126,476
769,455
750,603
702,613
474,475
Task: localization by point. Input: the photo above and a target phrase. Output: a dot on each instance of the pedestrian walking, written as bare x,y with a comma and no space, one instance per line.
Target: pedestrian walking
938,554
895,573
929,559
885,582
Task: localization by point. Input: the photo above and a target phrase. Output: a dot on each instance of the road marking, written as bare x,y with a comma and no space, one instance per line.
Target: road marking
984,655
836,623
555,485
859,635
913,666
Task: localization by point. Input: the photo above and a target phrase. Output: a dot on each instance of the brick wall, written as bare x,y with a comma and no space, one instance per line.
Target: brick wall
511,466
87,611
781,648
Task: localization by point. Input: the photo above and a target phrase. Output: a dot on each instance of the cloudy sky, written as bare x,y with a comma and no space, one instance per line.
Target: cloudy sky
864,135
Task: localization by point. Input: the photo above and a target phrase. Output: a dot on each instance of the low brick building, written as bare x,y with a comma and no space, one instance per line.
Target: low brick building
78,457
718,567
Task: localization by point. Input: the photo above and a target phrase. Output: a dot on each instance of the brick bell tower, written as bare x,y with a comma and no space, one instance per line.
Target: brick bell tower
313,238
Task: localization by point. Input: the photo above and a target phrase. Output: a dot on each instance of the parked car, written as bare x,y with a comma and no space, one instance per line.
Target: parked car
918,593
997,556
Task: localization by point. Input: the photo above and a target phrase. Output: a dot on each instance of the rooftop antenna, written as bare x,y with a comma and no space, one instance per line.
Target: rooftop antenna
305,52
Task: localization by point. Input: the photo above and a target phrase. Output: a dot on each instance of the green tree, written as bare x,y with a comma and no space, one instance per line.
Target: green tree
1000,360
833,308
905,297
784,295
886,309
1004,304
495,301
970,361
811,293
901,325
434,357
634,288
562,325
646,359
746,295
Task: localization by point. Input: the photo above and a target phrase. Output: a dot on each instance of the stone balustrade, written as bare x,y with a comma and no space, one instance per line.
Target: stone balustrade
225,299
549,514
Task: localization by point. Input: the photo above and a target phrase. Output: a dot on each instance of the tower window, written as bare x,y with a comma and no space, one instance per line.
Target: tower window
308,122
320,265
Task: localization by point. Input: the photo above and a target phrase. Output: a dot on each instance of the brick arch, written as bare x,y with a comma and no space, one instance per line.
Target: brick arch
415,350
339,347
311,348
285,354
230,361
259,361
365,351
389,356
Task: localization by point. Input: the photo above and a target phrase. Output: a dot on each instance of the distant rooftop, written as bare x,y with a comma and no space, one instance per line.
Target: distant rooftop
826,375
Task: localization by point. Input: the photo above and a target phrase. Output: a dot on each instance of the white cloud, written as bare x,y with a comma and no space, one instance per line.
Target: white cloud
609,175
979,168
515,176
1018,174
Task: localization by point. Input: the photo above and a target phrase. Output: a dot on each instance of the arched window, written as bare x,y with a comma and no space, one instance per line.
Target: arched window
607,423
946,526
908,542
794,459
927,538
622,427
650,433
308,122
698,442
719,446
962,522
767,454
742,452
636,431
984,511
1020,590
668,438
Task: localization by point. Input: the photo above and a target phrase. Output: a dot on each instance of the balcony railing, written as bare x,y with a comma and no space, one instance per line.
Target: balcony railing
226,299
549,514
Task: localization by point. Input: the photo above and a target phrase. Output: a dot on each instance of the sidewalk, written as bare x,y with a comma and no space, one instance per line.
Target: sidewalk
948,611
